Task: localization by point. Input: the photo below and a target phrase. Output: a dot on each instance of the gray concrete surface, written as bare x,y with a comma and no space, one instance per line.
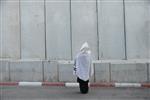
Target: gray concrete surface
48,29
9,29
50,71
4,71
26,71
102,73
129,72
32,29
62,71
58,29
149,71
137,28
84,25
62,93
111,29
66,73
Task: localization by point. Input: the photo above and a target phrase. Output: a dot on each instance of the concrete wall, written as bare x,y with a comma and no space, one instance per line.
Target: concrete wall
26,71
129,72
4,71
148,71
58,41
54,71
111,29
102,73
32,29
137,16
9,29
84,25
66,72
50,71
55,30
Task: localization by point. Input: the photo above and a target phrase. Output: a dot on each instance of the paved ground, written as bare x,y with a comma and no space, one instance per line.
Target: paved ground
63,93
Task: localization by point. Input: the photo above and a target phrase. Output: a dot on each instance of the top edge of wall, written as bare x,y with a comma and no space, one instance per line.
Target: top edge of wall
71,61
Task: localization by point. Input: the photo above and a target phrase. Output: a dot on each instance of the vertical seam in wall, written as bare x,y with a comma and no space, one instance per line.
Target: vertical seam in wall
125,37
148,73
20,28
97,29
71,30
45,29
109,72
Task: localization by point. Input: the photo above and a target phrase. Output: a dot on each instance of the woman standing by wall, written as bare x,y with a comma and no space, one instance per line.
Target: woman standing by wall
83,68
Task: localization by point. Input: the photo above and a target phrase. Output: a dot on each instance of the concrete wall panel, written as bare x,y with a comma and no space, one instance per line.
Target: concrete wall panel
66,73
149,30
149,72
102,72
4,71
50,71
9,29
129,72
111,29
84,25
137,28
26,71
58,29
32,29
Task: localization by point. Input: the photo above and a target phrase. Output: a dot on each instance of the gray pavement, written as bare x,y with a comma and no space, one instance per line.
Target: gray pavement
63,93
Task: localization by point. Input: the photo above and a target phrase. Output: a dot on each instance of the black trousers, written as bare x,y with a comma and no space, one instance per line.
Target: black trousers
83,85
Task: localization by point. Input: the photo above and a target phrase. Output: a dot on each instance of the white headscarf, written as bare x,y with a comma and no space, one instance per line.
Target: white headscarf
85,48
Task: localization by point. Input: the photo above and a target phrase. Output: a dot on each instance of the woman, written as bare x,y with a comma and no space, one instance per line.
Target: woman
83,68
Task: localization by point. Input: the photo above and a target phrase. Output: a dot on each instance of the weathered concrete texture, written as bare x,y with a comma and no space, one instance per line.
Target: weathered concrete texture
129,72
149,31
137,28
4,71
149,71
111,29
84,25
50,71
66,73
9,29
58,29
26,71
102,72
1,28
32,29
92,79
